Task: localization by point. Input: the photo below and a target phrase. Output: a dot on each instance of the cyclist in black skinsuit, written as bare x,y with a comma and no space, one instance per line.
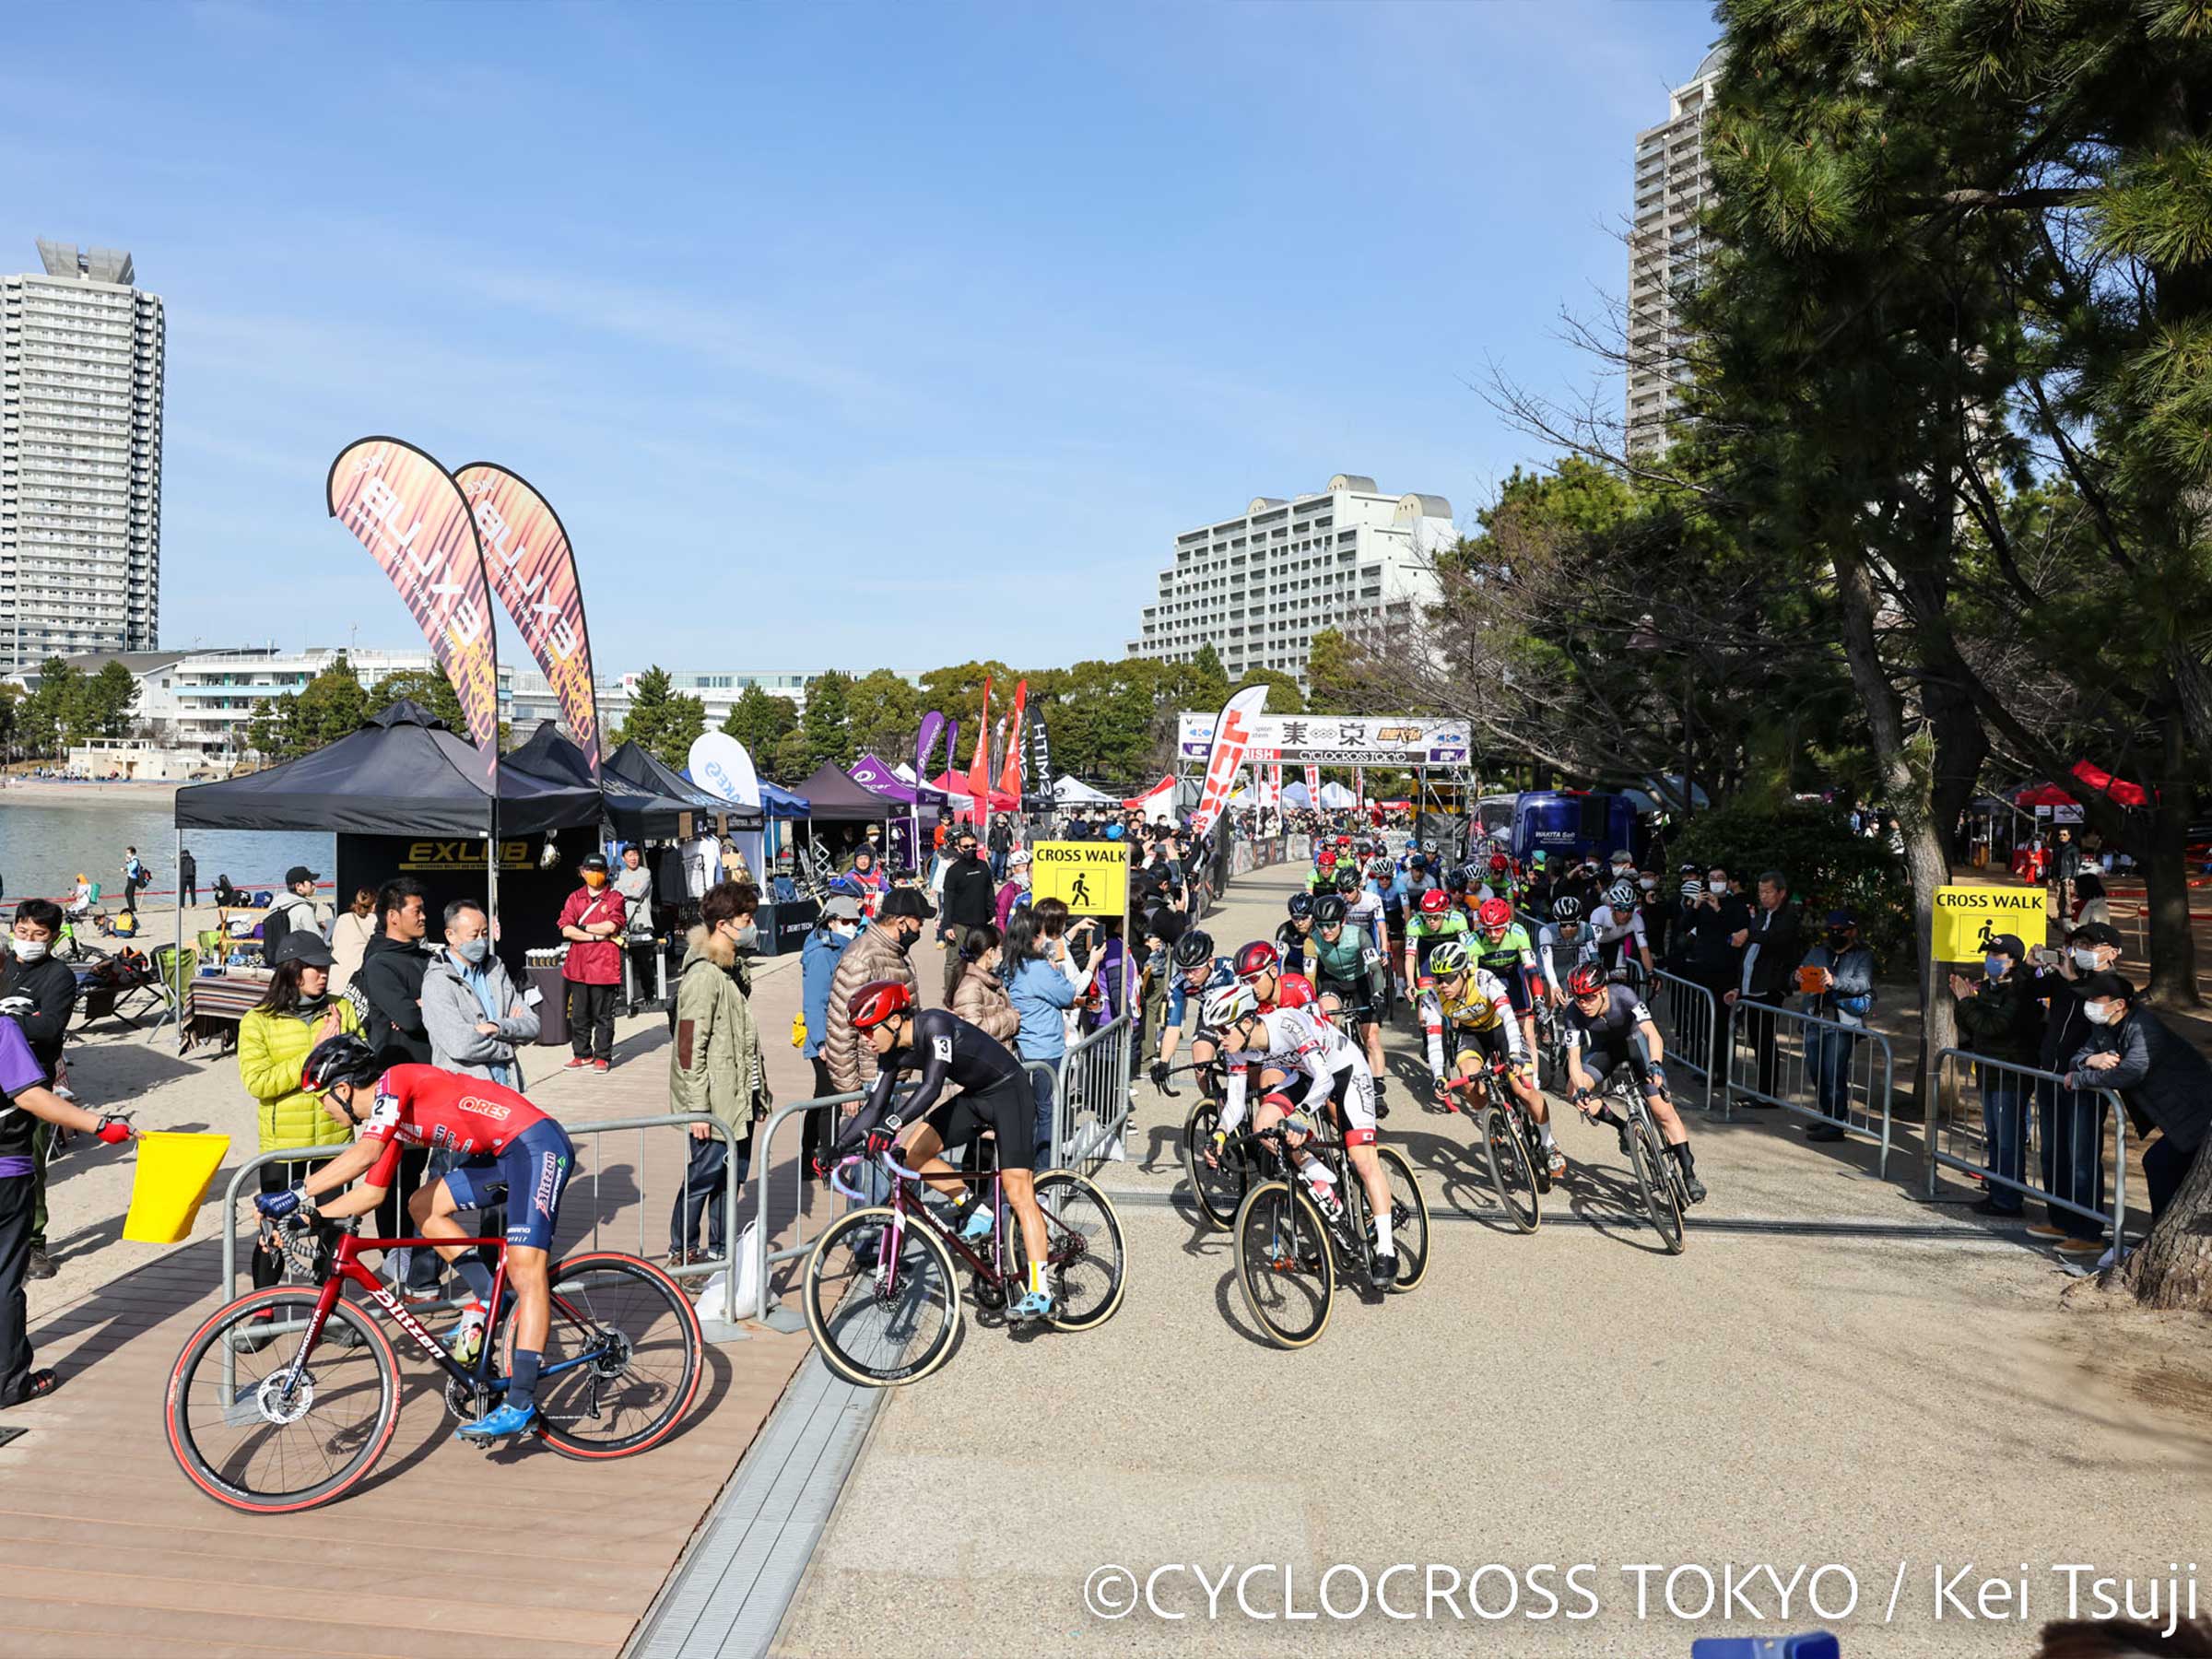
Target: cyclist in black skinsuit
1608,1025
994,1095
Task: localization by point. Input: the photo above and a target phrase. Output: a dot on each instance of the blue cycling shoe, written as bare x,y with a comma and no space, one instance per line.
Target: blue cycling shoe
978,1226
506,1420
1037,1304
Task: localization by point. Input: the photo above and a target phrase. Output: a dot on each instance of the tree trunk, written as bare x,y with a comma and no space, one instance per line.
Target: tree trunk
2173,1269
2166,878
1961,745
1905,792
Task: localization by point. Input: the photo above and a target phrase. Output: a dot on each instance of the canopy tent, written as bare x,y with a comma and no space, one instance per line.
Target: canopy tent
640,767
833,798
963,798
1296,794
401,774
2093,777
1334,794
635,811
781,803
1071,791
876,778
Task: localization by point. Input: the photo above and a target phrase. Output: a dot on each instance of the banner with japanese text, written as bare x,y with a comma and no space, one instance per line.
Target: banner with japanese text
1231,735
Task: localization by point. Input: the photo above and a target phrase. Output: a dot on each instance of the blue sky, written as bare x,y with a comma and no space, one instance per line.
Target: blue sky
841,334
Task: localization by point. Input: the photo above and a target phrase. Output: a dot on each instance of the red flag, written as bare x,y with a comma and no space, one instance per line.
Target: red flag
1313,787
1009,780
979,769
1232,734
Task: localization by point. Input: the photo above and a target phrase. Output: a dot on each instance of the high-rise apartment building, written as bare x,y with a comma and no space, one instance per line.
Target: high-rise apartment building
1258,587
81,353
1666,249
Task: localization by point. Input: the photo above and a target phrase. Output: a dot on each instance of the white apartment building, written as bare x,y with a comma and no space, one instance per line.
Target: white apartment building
1259,587
1666,249
81,353
719,690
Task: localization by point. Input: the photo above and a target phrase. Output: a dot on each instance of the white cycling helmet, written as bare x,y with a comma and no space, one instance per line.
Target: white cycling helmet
1622,894
1223,1007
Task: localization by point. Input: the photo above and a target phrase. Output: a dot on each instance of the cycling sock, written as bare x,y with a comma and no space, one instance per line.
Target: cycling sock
1313,1170
475,1275
1611,1119
1681,1152
1036,1284
521,1381
1382,1232
1544,1134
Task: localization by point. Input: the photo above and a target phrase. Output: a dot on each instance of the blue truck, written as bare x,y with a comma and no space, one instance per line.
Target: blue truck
1560,823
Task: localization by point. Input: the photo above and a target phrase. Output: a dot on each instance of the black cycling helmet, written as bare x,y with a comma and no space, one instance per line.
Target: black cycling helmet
341,1059
1329,910
1566,908
1302,906
1348,881
1455,879
1194,947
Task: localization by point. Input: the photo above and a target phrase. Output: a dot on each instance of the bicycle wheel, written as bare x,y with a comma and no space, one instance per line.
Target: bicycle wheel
879,1322
1086,1259
1408,1219
1510,1177
1283,1263
1219,1191
622,1357
255,1426
1659,1202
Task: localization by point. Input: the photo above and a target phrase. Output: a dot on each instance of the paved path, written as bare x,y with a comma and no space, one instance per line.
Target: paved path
1895,1384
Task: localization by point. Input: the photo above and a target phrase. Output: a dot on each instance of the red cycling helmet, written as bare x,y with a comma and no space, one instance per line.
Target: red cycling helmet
1494,912
1435,902
878,1001
1586,980
1326,860
1500,865
1257,957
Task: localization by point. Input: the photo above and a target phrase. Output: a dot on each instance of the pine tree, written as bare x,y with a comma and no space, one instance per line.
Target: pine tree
663,720
825,723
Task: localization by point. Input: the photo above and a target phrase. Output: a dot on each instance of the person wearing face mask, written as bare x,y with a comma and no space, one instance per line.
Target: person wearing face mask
838,926
1016,892
590,921
2165,1080
39,993
2000,1018
2072,1119
476,1019
980,997
714,1065
883,951
1845,970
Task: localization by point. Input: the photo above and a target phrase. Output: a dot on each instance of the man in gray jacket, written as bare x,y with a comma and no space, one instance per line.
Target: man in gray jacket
475,1019
1846,970
2164,1078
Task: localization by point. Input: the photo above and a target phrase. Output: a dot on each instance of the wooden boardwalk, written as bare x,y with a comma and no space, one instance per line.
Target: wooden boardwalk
105,1548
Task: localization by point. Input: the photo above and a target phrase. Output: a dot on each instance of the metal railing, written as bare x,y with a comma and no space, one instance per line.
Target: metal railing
1819,1068
599,1167
803,1237
1091,1097
2037,1123
1690,1022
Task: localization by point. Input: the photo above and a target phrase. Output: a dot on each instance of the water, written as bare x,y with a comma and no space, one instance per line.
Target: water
44,843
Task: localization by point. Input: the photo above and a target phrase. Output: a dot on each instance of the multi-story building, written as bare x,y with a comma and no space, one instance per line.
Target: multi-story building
1666,250
1258,587
719,690
81,353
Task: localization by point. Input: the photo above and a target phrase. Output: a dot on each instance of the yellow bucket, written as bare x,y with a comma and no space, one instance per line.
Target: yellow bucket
174,1173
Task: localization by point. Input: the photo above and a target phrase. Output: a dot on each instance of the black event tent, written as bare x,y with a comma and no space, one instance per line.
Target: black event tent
401,774
640,768
635,812
835,799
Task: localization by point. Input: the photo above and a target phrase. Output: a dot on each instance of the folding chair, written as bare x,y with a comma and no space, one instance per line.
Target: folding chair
172,979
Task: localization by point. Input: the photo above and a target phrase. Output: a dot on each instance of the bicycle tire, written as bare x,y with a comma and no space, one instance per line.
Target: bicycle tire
1509,1168
670,1332
224,1476
1650,1179
1406,1195
1092,1280
1282,1242
1217,1191
927,1283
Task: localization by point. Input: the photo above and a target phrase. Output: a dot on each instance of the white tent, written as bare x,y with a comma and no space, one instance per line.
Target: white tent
1294,794
1334,794
1071,791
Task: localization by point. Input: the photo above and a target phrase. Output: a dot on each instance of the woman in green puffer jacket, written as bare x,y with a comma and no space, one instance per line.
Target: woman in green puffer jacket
273,1044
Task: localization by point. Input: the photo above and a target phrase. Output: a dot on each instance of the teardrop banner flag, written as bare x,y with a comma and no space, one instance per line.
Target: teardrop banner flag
1009,780
721,765
533,569
979,768
415,524
1044,756
1232,734
925,744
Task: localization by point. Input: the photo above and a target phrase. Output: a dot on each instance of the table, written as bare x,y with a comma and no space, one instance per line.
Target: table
214,1003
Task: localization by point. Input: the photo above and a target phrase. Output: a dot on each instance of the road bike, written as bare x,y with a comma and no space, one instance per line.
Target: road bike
1289,1240
1658,1175
883,1296
1513,1148
270,1409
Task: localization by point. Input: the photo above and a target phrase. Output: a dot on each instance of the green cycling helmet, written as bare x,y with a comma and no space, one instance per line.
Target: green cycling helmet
1449,960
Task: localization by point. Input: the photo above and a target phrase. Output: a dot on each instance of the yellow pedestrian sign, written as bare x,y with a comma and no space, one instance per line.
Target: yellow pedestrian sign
1967,918
1090,878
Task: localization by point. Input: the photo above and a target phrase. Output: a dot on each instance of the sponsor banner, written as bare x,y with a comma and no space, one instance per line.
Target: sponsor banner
1337,739
415,524
1313,785
720,765
1009,780
925,743
532,569
1044,757
456,857
1232,732
979,768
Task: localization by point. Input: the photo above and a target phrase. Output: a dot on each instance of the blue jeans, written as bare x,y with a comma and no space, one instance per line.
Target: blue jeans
706,1187
2073,1130
1828,1058
1041,1083
2005,1135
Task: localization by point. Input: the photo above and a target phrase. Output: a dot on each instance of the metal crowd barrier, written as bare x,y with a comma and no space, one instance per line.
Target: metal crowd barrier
1091,1097
1800,1043
803,1237
2039,1092
582,1182
1690,1022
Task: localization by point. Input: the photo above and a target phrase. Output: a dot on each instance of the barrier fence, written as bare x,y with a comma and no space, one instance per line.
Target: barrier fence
1817,1068
2029,1123
1091,1097
1690,1023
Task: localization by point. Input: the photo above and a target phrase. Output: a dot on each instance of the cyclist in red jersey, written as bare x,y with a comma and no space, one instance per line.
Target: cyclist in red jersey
512,1152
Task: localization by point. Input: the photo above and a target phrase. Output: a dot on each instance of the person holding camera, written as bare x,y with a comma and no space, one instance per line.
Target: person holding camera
2072,1119
2000,1019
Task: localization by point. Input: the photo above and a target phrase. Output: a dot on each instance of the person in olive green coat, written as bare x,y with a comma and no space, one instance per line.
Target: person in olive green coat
273,1044
714,1063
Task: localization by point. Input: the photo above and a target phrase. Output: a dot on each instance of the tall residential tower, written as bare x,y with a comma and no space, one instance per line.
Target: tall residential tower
81,353
1667,248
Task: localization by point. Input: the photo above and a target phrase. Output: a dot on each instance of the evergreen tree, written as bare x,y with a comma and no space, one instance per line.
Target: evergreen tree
827,724
428,687
760,719
661,721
